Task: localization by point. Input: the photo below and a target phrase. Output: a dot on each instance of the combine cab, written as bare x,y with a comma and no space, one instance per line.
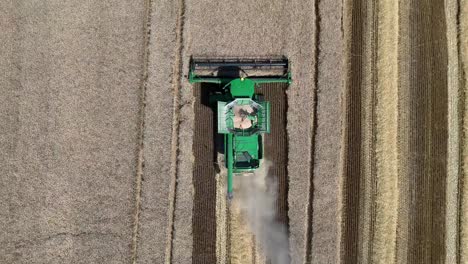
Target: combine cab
242,114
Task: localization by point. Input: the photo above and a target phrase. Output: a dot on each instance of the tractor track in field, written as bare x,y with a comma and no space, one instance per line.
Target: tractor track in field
176,81
428,122
140,159
310,196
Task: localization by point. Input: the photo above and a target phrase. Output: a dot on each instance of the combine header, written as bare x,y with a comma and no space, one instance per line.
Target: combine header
243,116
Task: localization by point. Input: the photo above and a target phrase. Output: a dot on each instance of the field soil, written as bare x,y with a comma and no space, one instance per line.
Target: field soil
396,133
204,180
154,231
111,156
69,125
324,198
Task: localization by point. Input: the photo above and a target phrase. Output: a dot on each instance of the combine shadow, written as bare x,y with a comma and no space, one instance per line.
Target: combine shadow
208,89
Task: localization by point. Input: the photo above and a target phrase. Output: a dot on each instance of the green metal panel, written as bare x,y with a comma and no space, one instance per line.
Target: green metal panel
246,153
281,79
245,144
242,87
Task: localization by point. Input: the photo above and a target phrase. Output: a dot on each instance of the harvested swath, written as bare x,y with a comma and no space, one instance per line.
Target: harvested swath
370,184
354,15
427,121
276,147
204,212
428,124
204,181
364,191
241,244
222,219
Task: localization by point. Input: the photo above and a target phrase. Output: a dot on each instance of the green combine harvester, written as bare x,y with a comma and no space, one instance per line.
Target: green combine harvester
243,116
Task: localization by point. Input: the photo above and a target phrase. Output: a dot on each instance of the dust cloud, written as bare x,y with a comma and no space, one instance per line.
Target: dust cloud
256,197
